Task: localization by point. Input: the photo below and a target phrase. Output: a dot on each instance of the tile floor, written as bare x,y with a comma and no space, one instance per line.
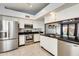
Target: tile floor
29,50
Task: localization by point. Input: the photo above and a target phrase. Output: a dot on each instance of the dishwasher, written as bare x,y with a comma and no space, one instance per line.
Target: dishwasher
67,49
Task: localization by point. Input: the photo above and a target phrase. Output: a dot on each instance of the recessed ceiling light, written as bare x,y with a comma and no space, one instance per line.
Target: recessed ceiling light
51,13
30,5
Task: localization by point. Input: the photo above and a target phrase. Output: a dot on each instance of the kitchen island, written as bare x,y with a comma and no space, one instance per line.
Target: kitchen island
59,46
62,39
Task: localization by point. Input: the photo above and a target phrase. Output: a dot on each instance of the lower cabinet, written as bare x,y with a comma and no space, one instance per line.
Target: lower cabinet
58,47
22,40
67,49
50,44
36,37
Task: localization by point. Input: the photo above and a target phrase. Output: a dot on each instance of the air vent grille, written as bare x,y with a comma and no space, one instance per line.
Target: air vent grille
27,16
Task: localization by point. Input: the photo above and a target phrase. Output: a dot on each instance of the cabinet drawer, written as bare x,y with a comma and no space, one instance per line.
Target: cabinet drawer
50,44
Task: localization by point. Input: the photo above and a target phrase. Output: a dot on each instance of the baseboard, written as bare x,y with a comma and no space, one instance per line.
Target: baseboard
47,51
21,45
37,42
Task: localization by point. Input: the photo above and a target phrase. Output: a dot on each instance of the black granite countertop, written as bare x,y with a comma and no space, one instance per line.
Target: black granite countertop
62,39
24,33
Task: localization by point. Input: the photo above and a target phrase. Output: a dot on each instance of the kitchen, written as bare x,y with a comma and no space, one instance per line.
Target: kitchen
51,29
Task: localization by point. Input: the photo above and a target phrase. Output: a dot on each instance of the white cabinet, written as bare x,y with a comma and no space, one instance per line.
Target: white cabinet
50,44
75,50
43,42
49,18
22,40
36,37
67,49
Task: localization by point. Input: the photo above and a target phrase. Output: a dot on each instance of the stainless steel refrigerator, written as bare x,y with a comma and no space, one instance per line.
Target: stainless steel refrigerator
8,35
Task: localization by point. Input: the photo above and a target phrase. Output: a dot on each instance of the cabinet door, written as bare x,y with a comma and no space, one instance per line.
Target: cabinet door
67,49
52,45
64,48
46,43
42,41
21,40
49,18
75,50
36,37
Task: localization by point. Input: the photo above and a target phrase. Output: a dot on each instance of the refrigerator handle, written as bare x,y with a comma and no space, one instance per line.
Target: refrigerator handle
9,29
5,34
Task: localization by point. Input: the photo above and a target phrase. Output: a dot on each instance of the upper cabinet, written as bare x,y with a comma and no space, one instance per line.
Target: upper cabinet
68,13
51,17
64,12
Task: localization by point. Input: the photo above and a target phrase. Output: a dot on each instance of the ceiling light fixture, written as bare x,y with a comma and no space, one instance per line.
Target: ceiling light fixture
51,13
29,4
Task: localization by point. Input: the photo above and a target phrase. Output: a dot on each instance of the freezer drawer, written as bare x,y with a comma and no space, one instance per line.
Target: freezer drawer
7,45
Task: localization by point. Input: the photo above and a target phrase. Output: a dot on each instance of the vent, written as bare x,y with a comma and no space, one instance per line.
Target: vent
27,16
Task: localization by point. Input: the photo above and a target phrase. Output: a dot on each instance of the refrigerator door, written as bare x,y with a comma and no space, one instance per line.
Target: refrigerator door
13,29
8,45
0,25
3,30
8,30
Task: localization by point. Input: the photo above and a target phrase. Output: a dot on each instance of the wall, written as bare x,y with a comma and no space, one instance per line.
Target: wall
68,13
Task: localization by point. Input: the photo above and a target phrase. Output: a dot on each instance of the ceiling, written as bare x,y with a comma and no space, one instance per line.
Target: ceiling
36,11
66,5
30,8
